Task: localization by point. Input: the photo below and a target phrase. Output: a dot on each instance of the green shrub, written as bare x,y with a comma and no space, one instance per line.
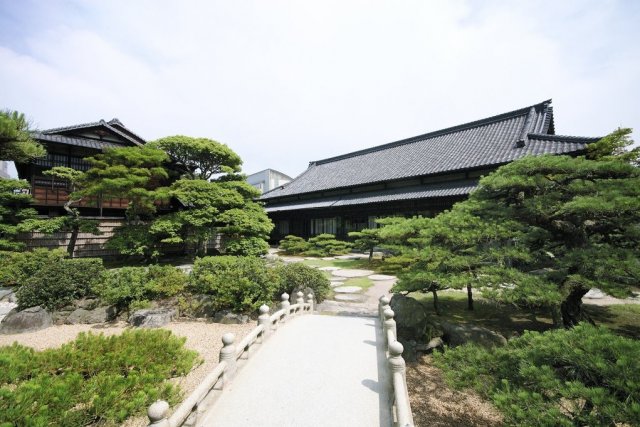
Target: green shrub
577,377
130,288
57,284
240,284
95,380
164,281
301,276
293,245
16,267
247,246
327,245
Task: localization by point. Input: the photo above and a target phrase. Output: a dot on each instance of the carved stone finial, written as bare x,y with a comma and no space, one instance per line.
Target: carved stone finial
264,309
300,294
285,297
396,348
228,339
310,297
388,314
384,300
157,411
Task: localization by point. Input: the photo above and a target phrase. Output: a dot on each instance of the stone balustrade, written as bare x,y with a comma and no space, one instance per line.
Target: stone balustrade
230,354
397,367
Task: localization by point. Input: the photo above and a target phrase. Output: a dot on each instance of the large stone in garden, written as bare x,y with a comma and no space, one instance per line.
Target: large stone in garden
152,318
458,334
228,318
97,315
348,272
28,320
411,318
7,295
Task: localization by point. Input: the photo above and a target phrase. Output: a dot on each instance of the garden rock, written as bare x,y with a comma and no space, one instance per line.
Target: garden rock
347,272
87,303
97,315
411,318
228,318
595,293
459,334
7,295
152,318
28,320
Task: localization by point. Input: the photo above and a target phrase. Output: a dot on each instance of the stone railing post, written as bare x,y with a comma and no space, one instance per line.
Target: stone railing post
398,368
310,302
384,304
284,305
265,320
157,414
300,302
389,325
228,355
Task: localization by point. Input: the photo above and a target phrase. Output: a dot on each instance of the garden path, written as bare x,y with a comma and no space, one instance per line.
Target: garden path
315,371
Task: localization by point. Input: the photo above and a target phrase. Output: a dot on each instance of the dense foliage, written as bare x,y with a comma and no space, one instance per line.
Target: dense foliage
94,380
241,284
14,209
366,240
300,276
129,287
17,267
577,377
16,143
320,245
58,284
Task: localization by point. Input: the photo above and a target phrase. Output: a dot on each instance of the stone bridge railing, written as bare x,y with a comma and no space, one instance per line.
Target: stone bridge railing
397,367
204,395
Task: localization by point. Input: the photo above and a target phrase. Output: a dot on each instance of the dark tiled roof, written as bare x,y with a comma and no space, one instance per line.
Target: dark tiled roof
114,125
492,141
79,142
444,189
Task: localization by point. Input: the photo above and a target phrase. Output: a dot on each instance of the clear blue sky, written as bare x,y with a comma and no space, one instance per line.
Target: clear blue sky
286,82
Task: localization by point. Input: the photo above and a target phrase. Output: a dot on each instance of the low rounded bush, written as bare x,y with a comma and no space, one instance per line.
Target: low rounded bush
300,276
16,267
130,287
247,246
240,284
95,380
327,245
293,245
57,284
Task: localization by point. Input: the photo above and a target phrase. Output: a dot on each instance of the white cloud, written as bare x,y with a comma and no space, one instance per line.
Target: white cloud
287,82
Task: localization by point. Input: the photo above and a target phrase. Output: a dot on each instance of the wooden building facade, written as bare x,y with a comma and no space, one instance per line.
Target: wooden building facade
422,175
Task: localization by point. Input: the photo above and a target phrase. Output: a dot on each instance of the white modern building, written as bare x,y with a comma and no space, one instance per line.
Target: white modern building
268,179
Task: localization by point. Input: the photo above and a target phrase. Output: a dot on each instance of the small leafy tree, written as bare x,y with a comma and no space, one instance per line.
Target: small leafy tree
366,240
16,143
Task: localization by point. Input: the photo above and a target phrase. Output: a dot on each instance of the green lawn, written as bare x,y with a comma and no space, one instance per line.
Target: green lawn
362,282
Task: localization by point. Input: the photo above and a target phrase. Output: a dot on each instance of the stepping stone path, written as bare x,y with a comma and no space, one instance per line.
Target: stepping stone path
329,268
350,297
352,273
381,277
348,289
336,284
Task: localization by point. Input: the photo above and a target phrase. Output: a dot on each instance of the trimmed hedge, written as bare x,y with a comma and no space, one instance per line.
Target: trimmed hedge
95,380
57,284
240,284
127,286
301,276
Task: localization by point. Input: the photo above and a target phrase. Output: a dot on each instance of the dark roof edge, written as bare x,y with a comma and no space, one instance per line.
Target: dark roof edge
109,125
563,138
440,132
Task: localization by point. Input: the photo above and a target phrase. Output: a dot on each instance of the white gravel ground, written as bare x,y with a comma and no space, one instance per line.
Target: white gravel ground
203,337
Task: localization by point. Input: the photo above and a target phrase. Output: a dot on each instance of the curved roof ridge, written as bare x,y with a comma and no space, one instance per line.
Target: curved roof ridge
563,138
452,129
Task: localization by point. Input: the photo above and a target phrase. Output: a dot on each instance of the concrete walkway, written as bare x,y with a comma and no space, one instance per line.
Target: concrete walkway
314,371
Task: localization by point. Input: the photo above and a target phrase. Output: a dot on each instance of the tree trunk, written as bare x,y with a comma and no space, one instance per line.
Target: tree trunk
71,247
469,297
370,254
436,305
556,315
571,309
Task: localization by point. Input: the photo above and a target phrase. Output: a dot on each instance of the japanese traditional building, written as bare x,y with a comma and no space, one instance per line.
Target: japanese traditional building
68,146
422,175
